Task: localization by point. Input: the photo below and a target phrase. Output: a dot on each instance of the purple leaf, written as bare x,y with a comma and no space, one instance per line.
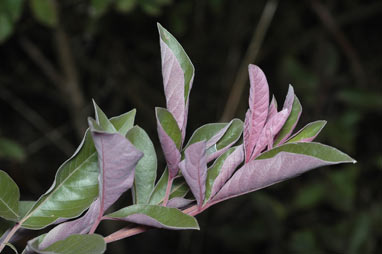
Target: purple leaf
178,75
279,164
117,159
179,202
81,225
288,103
291,122
229,138
270,130
155,216
258,109
173,82
170,138
170,151
194,169
272,110
226,171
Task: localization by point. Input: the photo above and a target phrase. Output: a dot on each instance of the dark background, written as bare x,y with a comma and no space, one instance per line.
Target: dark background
55,56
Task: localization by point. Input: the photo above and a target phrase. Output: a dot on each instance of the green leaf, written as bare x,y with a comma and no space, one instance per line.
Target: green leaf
179,189
181,56
125,5
320,151
74,244
74,189
124,122
145,171
205,132
9,197
11,150
308,133
6,27
165,217
232,134
214,171
102,119
45,12
99,7
11,8
24,207
76,183
169,125
290,123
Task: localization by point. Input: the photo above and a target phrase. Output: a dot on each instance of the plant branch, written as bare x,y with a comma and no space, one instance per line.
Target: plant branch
124,233
339,36
250,57
168,190
9,236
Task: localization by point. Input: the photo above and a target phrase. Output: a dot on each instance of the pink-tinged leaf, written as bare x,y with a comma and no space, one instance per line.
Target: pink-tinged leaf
173,83
179,202
117,159
294,116
270,130
81,225
308,133
178,75
170,151
170,139
194,169
230,137
272,110
229,166
155,216
279,164
288,103
258,109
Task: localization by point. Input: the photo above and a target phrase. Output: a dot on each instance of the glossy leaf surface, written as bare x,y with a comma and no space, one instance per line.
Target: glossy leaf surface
156,216
74,189
9,197
76,183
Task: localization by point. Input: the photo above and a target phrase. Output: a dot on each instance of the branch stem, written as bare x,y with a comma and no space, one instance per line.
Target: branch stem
9,236
168,190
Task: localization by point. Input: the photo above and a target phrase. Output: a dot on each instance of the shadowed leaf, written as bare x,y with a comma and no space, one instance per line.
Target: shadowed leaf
9,197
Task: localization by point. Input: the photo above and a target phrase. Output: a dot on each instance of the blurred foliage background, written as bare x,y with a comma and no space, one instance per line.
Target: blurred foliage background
57,55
